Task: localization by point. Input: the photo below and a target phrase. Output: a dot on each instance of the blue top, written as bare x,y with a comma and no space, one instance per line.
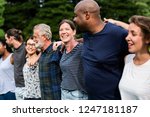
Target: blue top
103,60
50,74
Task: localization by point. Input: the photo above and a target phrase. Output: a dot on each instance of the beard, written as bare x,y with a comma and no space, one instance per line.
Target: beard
10,45
81,29
39,45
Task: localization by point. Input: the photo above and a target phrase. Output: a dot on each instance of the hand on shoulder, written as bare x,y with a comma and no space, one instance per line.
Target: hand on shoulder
56,45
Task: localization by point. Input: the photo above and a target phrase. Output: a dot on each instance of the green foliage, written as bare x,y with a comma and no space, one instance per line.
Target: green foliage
143,8
52,13
124,9
24,14
117,9
19,14
2,2
2,33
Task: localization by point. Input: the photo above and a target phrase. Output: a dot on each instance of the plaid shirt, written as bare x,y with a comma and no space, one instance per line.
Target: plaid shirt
50,74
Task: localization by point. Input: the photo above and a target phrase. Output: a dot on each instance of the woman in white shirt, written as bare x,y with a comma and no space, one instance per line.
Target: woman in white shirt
135,81
7,82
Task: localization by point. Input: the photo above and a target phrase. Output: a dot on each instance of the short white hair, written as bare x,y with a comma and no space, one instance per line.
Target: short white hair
44,29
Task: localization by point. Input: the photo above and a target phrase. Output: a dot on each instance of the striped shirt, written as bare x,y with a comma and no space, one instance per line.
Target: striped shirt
72,70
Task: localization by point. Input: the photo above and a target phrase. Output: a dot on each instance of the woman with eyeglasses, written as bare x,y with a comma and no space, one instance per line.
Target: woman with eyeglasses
31,72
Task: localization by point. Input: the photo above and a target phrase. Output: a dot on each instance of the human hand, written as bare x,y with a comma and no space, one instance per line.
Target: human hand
32,62
110,20
56,45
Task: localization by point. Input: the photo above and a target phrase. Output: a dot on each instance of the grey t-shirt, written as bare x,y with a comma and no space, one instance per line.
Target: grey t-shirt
19,61
72,70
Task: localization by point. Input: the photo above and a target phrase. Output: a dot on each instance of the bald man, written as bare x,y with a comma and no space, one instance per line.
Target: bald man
104,49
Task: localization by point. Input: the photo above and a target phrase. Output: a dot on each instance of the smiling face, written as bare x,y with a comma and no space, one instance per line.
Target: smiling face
66,33
30,47
135,40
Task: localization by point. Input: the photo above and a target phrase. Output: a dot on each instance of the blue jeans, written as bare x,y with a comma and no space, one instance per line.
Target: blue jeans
73,95
32,98
8,96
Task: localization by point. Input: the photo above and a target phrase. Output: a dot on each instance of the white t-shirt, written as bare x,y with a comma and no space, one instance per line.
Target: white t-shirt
7,82
135,81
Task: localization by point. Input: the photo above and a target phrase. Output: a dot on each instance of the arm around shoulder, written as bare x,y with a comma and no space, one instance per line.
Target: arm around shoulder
118,23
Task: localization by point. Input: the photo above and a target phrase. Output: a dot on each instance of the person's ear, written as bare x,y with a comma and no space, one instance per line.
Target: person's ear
74,32
43,37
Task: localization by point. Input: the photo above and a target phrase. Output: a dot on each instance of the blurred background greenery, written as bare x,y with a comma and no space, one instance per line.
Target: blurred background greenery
24,14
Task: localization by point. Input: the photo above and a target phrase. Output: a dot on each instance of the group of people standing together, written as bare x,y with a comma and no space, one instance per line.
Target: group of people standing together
111,63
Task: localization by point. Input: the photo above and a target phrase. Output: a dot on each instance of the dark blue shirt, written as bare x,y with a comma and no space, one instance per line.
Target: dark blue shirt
50,74
103,60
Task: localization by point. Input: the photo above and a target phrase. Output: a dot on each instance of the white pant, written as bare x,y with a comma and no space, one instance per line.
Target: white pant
73,95
19,92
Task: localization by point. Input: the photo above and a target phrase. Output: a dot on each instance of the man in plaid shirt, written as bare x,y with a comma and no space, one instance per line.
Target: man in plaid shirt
49,70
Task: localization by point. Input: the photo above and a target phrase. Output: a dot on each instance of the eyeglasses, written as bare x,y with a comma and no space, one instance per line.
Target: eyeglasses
30,44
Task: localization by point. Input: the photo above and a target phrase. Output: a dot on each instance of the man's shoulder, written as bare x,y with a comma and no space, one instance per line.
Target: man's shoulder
116,31
113,27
